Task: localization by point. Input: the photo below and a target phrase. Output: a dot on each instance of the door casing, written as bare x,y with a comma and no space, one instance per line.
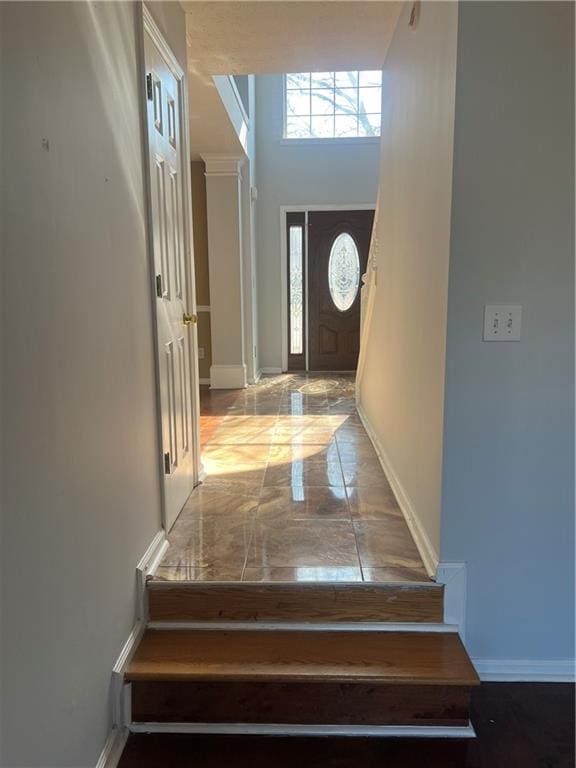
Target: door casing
147,26
284,209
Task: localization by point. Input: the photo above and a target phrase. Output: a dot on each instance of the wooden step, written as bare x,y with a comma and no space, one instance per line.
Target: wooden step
384,657
300,703
244,602
152,750
301,678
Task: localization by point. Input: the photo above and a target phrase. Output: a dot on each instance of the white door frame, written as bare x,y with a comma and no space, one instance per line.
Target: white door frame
147,25
306,209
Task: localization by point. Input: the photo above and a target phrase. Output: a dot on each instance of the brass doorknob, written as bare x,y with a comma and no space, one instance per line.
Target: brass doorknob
189,319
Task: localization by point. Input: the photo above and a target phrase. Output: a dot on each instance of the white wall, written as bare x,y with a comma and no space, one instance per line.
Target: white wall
509,441
402,384
296,174
81,500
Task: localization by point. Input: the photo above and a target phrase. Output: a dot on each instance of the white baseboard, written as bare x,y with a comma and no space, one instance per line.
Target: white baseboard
270,370
149,562
453,576
526,670
110,755
147,565
228,377
427,552
118,688
204,381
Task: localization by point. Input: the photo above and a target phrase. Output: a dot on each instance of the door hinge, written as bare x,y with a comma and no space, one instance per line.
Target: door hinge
159,291
167,463
149,89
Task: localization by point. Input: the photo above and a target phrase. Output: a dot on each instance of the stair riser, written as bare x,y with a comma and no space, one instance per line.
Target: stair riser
297,602
300,703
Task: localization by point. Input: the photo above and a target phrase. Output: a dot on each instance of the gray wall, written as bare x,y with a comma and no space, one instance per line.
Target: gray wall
81,499
508,508
296,174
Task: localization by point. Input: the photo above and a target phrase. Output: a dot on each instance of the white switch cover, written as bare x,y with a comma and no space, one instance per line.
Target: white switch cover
200,353
502,322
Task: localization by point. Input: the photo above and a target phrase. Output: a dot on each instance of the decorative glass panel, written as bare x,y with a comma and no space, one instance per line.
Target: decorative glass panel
344,272
296,292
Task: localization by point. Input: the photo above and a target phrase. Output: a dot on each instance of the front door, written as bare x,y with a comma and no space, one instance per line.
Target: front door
172,266
338,244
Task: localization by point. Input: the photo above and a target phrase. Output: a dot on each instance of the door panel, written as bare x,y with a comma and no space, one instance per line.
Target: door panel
164,105
338,244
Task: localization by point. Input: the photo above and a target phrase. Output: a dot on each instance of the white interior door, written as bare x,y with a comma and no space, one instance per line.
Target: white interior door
173,276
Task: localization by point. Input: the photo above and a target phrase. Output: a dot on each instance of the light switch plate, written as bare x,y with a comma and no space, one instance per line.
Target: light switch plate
201,353
502,322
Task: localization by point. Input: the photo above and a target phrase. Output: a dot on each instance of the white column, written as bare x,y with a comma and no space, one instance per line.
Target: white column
224,210
249,259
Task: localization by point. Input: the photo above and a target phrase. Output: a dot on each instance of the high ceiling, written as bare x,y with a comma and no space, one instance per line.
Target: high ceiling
271,36
274,36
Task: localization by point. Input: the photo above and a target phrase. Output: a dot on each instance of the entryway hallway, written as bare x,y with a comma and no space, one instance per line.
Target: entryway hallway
294,492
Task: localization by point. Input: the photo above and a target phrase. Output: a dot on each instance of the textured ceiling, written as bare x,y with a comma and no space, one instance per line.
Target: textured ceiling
210,128
272,36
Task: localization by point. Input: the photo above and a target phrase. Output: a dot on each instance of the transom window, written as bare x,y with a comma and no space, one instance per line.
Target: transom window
332,105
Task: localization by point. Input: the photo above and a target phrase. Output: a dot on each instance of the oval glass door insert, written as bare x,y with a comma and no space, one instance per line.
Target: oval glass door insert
344,271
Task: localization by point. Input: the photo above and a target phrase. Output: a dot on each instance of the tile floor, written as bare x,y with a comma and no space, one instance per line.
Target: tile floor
294,492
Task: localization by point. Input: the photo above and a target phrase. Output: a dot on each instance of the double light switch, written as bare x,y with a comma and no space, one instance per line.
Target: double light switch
502,322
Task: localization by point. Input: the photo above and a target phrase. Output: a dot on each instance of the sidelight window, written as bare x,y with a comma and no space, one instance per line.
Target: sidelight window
296,289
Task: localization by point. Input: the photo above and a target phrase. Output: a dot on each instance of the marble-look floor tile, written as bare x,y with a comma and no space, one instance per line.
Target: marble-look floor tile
236,454
220,542
308,420
302,503
327,574
354,433
253,410
304,409
303,473
274,505
307,452
191,573
221,467
347,419
349,452
363,473
302,436
375,502
385,544
298,543
243,479
224,436
396,574
250,421
206,502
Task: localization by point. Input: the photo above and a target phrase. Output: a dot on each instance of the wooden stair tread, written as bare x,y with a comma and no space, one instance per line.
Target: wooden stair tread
303,656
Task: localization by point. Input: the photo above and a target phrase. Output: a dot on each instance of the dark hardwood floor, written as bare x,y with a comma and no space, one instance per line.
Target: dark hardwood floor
519,725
